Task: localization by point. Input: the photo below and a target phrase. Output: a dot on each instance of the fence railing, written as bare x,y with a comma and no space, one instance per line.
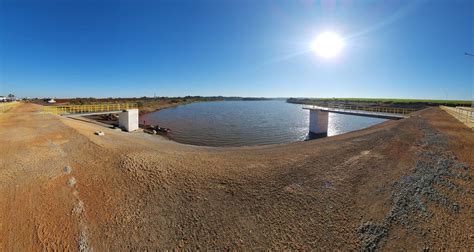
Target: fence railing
92,108
5,106
347,107
463,114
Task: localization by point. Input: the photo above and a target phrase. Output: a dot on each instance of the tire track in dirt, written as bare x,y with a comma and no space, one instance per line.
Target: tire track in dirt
78,211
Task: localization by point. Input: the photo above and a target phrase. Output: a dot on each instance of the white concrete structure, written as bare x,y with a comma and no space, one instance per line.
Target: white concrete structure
52,101
318,121
128,119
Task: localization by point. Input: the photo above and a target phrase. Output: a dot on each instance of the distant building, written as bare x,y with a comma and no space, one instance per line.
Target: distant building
51,101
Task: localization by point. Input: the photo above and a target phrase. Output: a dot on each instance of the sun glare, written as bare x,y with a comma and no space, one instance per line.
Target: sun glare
328,45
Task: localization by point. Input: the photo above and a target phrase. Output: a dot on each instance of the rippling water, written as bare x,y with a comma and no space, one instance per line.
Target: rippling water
241,123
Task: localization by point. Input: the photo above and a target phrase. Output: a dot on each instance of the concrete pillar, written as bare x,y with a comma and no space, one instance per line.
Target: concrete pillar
128,119
318,122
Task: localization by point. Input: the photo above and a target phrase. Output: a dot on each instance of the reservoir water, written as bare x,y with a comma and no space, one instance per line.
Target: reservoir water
245,123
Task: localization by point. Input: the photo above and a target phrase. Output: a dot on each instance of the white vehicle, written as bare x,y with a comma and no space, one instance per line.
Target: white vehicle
3,99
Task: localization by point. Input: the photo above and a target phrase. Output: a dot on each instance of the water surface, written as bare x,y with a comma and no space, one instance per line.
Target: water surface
244,123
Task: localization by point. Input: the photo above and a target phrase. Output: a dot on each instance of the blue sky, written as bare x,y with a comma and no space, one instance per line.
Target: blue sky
393,49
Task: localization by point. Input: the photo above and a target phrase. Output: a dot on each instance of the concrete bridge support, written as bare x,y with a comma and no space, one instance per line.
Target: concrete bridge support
128,119
318,122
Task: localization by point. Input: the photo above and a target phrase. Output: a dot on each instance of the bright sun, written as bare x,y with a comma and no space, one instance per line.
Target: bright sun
328,44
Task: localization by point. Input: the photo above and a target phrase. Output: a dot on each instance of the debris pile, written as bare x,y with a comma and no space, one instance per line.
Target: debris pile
154,129
99,133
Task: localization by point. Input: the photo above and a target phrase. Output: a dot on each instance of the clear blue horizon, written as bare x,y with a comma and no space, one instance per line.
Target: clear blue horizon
393,49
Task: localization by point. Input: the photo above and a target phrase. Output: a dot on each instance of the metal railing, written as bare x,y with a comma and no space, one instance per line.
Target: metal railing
463,114
5,106
92,108
352,108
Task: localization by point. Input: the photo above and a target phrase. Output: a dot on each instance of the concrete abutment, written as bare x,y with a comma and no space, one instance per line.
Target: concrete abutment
128,119
318,122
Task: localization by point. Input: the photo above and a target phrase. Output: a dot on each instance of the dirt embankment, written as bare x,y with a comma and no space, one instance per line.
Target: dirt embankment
145,104
399,185
147,107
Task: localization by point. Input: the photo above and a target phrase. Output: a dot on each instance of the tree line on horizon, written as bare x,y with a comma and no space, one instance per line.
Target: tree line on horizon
380,101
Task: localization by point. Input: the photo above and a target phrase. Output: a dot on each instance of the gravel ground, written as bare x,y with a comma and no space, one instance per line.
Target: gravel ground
436,167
